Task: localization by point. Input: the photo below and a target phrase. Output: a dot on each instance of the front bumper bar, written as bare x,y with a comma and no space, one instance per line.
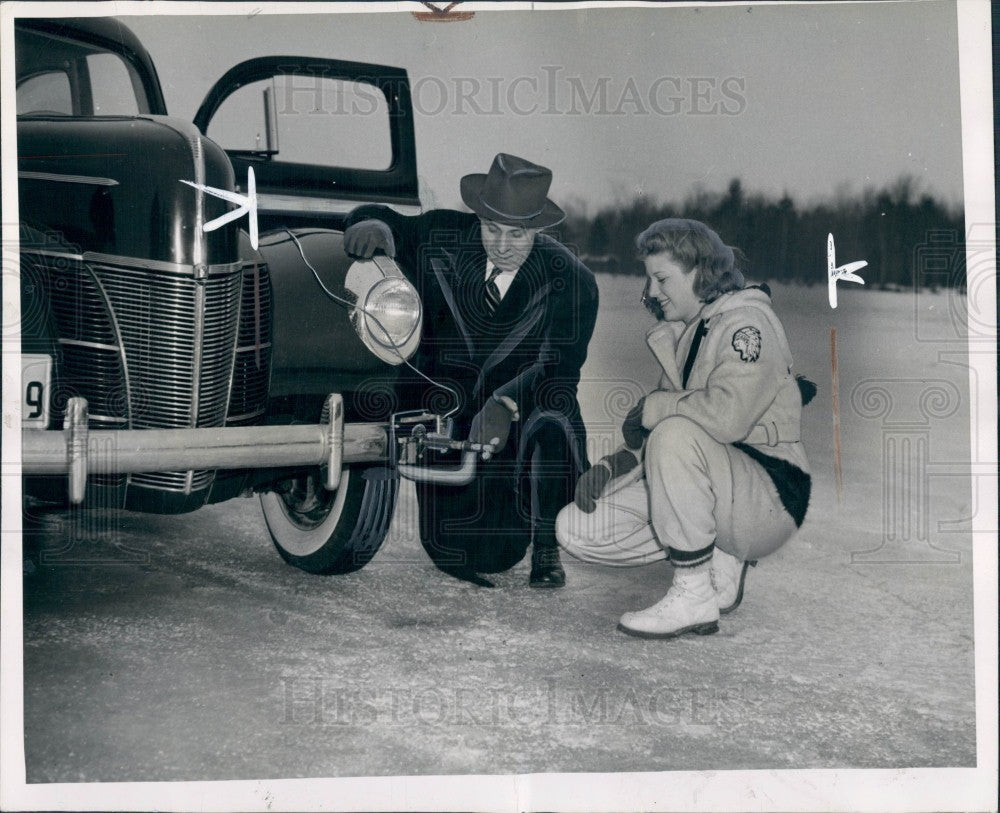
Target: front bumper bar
79,451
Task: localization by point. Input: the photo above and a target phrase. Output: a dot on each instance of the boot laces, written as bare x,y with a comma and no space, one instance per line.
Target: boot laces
674,595
721,581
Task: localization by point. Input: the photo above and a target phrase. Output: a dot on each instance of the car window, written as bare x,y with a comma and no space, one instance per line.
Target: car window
318,120
58,74
45,93
111,86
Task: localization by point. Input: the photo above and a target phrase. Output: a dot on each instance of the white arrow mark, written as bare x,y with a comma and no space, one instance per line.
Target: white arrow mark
247,205
843,272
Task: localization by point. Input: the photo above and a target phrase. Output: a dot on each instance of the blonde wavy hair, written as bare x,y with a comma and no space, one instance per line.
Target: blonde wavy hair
718,268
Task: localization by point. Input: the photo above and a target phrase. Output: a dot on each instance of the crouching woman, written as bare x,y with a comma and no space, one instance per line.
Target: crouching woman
712,474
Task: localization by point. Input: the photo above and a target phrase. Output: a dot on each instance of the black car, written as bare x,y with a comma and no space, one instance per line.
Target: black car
178,353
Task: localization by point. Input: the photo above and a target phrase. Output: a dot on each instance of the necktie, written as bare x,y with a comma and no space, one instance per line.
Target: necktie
492,292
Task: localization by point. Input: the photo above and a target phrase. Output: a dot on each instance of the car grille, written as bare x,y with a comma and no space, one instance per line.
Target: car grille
155,349
252,366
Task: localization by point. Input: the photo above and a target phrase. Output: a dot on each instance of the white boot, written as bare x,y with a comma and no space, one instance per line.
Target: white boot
728,577
690,605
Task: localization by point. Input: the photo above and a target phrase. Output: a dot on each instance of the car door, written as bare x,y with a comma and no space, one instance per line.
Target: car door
322,136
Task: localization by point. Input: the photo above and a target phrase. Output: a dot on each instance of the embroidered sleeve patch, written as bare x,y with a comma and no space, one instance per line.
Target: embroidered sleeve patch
746,342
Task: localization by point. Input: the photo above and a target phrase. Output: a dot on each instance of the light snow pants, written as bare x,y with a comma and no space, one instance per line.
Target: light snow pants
696,493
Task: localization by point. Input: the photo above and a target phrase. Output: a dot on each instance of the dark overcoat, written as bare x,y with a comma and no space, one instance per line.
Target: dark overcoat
531,350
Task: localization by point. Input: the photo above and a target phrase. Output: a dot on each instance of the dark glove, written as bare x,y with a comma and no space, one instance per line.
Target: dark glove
363,239
621,462
592,482
632,430
492,424
590,486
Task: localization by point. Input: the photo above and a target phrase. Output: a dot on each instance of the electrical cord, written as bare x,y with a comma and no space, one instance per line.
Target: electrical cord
351,305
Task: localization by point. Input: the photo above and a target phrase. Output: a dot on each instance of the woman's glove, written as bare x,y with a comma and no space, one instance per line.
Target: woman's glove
590,486
492,424
363,239
632,430
592,482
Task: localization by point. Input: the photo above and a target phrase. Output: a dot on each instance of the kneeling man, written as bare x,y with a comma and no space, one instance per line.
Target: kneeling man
508,314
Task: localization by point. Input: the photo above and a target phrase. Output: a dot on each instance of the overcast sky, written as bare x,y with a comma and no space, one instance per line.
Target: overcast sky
808,99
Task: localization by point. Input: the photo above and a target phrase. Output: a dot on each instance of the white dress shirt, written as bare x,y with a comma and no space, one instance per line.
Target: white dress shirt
503,280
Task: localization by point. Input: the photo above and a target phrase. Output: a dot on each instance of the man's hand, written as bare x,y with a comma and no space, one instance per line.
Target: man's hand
492,424
632,430
363,239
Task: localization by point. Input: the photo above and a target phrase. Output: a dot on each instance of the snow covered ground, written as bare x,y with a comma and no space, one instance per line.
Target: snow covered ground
853,648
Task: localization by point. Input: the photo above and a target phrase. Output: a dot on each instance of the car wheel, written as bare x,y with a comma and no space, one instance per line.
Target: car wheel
330,532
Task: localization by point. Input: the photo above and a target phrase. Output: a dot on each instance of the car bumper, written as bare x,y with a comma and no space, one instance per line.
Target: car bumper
79,451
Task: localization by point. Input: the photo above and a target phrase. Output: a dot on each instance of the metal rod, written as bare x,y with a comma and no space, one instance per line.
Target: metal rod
270,120
835,388
441,475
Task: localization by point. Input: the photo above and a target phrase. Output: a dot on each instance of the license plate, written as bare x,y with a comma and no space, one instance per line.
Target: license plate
36,378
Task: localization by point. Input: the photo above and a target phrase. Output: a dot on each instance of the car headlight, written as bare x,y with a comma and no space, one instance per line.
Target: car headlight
393,308
387,314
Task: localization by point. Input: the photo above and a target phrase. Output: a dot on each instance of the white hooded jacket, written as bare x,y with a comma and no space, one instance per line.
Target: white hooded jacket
741,387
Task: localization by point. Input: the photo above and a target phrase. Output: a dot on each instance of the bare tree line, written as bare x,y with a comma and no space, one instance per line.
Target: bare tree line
908,238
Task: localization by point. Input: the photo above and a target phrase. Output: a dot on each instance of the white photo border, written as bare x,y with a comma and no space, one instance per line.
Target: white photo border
804,790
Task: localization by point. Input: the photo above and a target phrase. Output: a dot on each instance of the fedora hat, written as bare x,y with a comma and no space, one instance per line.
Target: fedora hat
514,193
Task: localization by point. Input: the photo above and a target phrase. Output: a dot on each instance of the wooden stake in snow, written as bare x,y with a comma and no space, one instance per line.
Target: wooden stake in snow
835,389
